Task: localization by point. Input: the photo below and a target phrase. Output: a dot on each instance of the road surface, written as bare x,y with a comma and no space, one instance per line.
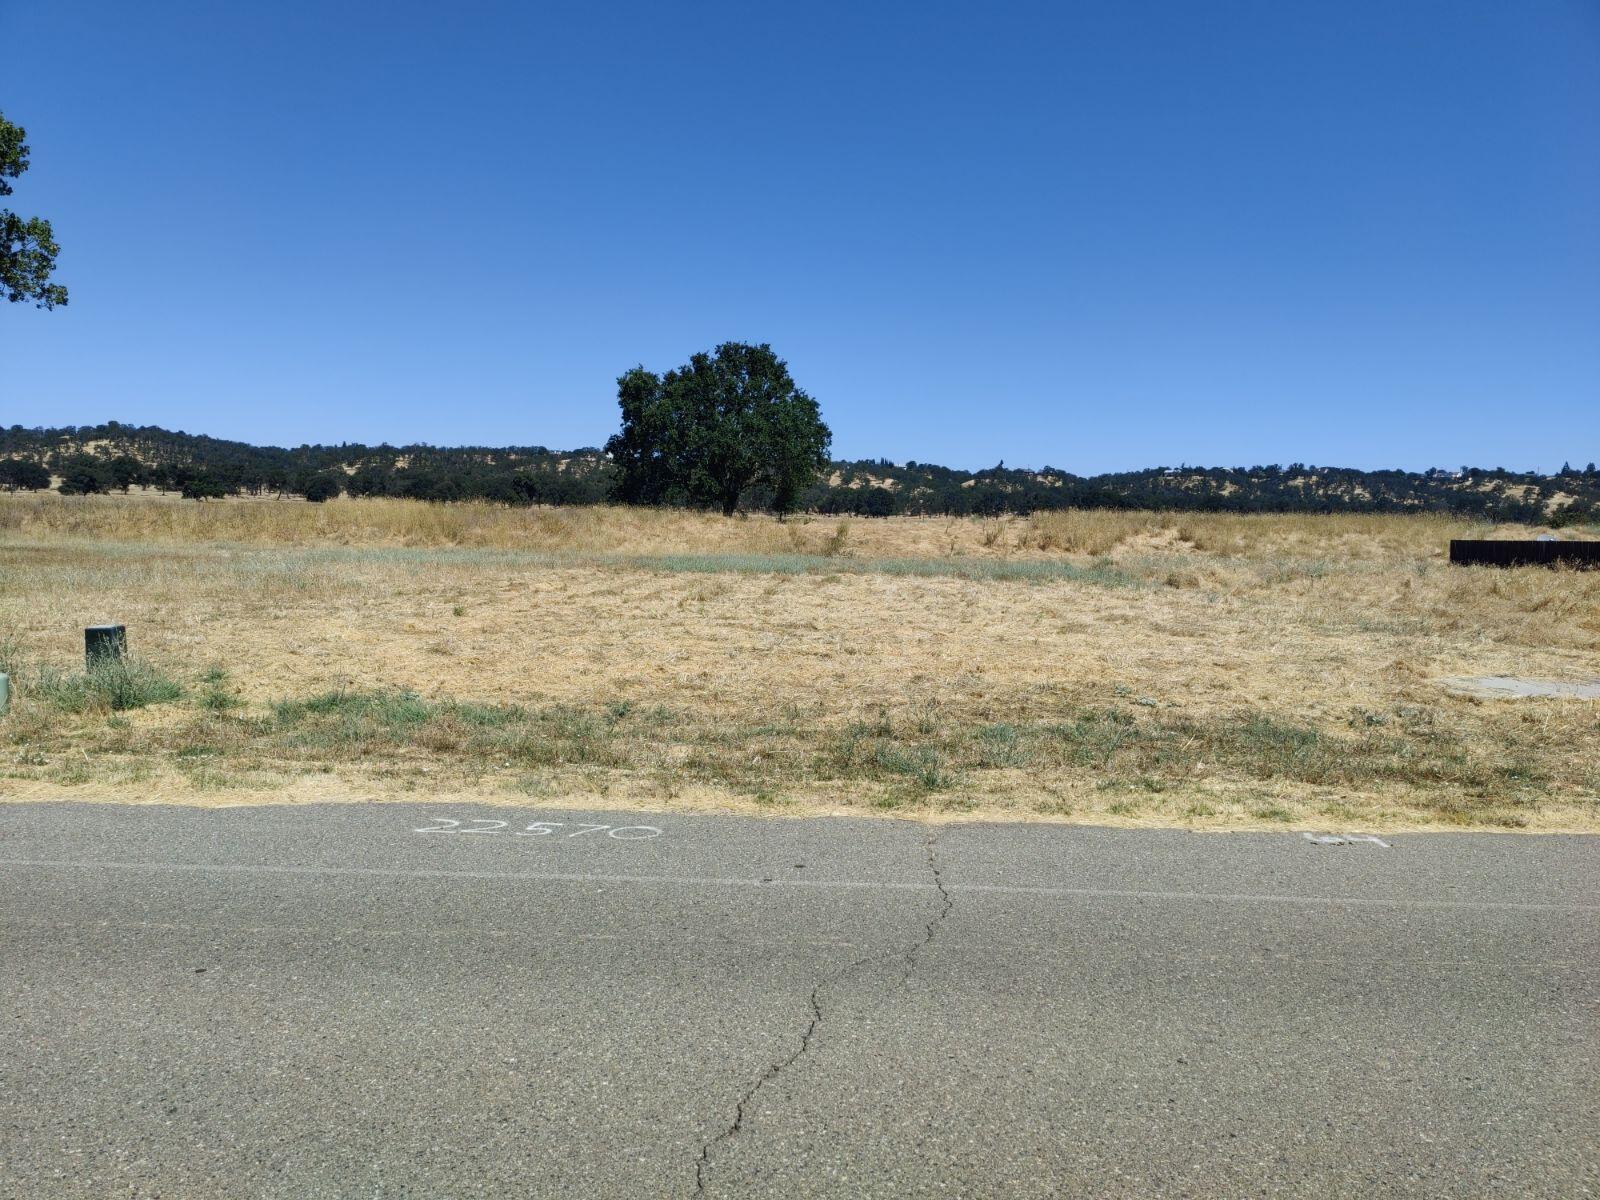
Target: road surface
320,1001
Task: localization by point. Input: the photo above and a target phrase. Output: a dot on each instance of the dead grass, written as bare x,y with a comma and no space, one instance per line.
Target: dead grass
46,517
49,518
1133,668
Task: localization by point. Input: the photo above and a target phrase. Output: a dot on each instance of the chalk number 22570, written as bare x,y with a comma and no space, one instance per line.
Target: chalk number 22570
623,833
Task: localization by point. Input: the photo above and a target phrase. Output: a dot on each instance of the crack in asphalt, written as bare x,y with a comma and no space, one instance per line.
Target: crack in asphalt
946,902
772,1073
909,957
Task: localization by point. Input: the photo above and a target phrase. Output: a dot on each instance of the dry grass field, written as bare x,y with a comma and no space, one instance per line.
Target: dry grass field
1214,671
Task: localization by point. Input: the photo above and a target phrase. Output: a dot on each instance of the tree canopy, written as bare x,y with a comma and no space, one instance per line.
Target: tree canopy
726,426
28,246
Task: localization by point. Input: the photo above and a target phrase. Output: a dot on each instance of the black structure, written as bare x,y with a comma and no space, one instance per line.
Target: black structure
1472,553
104,641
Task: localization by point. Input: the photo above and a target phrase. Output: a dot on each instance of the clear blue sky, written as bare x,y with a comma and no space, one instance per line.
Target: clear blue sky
1096,235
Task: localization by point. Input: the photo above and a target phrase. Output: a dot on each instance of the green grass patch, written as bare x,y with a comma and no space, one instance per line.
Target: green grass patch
1025,570
1000,569
906,752
216,696
1271,812
109,685
998,746
363,723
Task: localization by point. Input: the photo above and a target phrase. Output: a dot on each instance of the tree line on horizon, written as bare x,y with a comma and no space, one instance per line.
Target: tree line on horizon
115,457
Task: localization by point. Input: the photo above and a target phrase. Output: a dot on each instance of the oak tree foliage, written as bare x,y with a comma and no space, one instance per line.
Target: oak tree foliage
28,246
726,426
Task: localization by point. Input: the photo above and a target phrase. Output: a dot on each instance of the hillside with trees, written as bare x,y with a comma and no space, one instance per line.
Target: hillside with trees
119,458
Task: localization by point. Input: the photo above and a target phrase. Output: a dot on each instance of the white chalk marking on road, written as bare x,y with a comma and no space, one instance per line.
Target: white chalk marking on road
1345,839
622,833
814,884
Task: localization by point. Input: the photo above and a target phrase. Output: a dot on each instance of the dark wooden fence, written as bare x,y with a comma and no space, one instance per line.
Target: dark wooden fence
1472,553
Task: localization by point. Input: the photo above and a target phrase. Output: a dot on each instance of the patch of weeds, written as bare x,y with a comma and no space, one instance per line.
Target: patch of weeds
562,735
1139,783
485,716
1200,809
1021,570
770,799
925,718
1262,747
210,779
921,765
1122,808
390,709
1271,812
533,785
880,726
999,746
217,697
1471,813
1288,749
1521,771
132,773
1281,570
109,685
1094,738
71,774
838,542
10,657
361,723
844,748
769,730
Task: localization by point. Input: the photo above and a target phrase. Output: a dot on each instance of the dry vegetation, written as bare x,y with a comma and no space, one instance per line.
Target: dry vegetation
1138,667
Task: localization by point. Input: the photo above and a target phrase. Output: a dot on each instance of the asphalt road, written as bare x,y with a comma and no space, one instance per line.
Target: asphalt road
321,1002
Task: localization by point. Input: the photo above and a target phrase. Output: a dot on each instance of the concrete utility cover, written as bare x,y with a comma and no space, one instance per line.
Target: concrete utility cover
1515,686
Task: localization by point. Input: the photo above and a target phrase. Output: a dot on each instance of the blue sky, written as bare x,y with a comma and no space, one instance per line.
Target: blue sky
1094,235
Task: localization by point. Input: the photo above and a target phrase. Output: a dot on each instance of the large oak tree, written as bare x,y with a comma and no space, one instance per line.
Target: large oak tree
709,432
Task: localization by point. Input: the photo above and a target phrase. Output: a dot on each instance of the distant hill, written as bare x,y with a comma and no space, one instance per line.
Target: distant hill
116,457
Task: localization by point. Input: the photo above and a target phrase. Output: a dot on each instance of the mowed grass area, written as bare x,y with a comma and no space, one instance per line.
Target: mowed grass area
1121,667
